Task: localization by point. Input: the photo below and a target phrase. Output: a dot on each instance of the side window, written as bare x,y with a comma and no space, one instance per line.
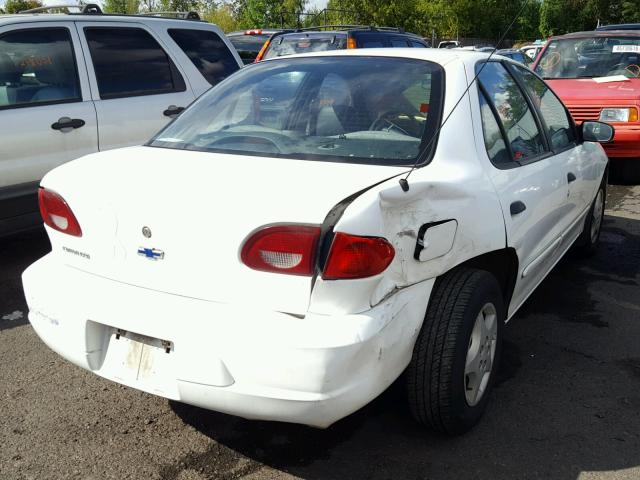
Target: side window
519,124
399,43
493,139
415,44
129,62
207,52
559,127
37,66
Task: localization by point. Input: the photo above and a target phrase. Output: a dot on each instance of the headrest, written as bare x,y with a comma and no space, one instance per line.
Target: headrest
9,71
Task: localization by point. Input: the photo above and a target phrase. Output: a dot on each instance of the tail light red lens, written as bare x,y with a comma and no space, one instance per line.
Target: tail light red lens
57,214
353,257
287,249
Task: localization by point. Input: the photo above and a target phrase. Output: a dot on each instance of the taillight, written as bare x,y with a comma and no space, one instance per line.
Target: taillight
351,43
352,257
255,31
57,214
263,50
287,249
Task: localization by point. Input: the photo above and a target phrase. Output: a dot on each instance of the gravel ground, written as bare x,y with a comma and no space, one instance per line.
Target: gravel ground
566,407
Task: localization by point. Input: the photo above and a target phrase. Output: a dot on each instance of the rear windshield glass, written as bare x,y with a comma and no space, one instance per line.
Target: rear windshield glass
591,57
372,110
289,45
248,46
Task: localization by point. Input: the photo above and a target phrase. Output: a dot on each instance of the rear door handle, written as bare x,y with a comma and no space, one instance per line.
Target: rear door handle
571,177
66,124
517,207
173,111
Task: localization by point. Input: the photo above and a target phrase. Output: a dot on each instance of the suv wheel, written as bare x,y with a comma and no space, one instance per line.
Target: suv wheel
456,355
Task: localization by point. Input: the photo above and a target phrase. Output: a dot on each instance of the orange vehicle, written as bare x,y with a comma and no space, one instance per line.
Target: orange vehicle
597,76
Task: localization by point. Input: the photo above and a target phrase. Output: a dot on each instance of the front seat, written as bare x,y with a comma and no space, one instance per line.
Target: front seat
56,83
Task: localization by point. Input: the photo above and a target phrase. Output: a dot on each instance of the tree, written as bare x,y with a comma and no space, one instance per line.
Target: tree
223,16
269,13
121,6
15,6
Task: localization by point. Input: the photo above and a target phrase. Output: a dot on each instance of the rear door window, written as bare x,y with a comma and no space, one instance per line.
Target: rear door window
207,52
129,62
415,44
37,66
519,123
399,43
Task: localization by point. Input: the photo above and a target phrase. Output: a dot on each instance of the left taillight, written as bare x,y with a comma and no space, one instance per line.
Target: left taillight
57,214
289,249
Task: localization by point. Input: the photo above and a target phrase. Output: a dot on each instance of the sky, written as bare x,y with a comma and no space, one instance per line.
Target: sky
317,3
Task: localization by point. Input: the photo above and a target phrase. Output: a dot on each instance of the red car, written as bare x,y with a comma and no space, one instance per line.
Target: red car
597,76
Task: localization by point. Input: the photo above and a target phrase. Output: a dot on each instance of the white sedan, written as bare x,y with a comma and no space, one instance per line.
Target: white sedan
274,254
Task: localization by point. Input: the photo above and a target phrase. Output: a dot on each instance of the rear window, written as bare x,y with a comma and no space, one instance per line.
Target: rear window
371,110
207,52
292,44
248,46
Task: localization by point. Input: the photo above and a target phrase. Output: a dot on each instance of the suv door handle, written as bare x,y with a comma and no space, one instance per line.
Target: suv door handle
517,207
173,111
66,124
571,177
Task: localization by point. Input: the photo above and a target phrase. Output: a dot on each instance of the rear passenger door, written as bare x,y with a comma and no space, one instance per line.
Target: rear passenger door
137,86
529,179
46,113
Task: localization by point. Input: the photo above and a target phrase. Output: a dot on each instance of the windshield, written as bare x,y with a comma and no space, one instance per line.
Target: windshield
591,57
248,46
371,110
289,45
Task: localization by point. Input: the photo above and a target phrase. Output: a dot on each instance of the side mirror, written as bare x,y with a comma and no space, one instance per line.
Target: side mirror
596,132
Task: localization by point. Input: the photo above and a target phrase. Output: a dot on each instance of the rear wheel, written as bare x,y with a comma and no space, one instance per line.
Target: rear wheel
456,355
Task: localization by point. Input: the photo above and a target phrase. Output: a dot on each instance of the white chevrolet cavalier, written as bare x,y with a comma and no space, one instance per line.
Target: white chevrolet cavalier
266,255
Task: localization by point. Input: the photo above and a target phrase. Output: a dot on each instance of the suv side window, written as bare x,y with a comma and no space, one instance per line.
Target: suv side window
129,62
399,43
415,44
558,125
207,52
37,66
523,135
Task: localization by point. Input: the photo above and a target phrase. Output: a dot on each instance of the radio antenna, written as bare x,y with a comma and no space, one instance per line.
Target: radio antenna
404,182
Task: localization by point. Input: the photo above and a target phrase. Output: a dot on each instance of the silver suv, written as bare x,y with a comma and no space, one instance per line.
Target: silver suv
72,84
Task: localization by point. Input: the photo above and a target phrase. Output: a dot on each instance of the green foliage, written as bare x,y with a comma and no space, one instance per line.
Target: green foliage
15,6
222,16
121,6
269,13
563,16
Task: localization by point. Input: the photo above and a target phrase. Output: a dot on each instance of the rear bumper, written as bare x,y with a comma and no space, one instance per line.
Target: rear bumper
229,358
626,142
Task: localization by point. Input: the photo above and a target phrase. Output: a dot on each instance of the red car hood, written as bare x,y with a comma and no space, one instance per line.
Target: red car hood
584,90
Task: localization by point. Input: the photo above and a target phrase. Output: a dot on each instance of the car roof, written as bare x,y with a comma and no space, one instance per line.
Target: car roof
72,17
598,33
263,31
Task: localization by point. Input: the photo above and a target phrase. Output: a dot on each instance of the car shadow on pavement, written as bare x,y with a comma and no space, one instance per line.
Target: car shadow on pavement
567,398
17,251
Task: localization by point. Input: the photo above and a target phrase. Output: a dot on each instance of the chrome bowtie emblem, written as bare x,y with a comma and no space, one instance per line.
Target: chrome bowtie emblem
151,253
146,231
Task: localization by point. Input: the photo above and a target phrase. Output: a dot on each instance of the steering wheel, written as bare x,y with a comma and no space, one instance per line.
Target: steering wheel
385,122
633,69
550,61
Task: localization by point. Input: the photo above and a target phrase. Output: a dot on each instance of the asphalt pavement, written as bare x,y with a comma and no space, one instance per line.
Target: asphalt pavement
567,405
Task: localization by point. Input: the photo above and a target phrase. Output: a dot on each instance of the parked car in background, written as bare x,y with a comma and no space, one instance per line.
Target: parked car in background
619,26
532,51
248,43
75,84
449,44
332,37
274,267
597,75
515,54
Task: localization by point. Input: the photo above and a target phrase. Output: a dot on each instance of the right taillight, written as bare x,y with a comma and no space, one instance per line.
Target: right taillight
351,43
262,51
57,214
352,256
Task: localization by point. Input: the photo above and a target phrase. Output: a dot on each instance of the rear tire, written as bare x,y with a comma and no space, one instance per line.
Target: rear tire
456,355
588,241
